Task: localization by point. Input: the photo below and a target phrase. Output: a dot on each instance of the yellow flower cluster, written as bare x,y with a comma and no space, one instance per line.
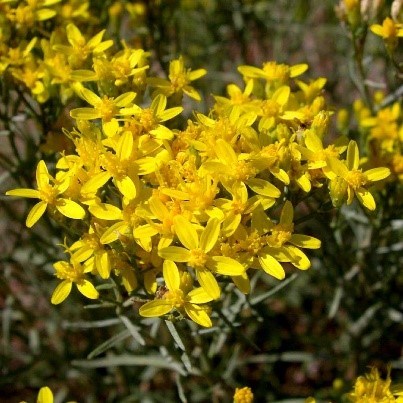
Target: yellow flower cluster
209,201
371,388
383,132
243,395
45,64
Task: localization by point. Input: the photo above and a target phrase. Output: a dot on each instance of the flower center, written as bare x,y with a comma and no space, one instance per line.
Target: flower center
176,297
198,258
356,179
280,234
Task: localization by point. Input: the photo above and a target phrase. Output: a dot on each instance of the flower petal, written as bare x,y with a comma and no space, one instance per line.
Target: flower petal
175,253
298,258
127,187
262,187
103,264
226,265
199,296
171,275
353,156
155,308
305,241
70,209
45,395
87,289
105,211
198,315
366,198
36,213
287,213
23,192
209,283
61,292
210,235
377,174
242,282
271,266
186,232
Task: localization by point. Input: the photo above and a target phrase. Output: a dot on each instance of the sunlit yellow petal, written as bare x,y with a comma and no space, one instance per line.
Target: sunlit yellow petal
96,182
210,235
103,264
61,292
366,198
144,231
155,308
170,114
113,232
226,265
175,253
337,167
127,187
209,283
70,209
271,266
225,152
42,175
125,146
85,113
263,187
186,232
45,395
199,296
44,14
87,289
353,157
124,99
377,174
105,211
36,213
31,193
171,275
305,241
298,258
298,69
198,315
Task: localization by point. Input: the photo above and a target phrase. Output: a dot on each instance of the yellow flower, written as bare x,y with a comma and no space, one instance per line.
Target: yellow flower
282,244
243,395
73,272
49,196
316,154
179,80
90,249
352,181
79,48
180,296
27,13
231,167
273,72
371,388
196,254
103,108
150,119
390,31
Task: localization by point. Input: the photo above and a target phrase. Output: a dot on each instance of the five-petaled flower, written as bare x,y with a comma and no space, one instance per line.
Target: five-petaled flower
49,195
